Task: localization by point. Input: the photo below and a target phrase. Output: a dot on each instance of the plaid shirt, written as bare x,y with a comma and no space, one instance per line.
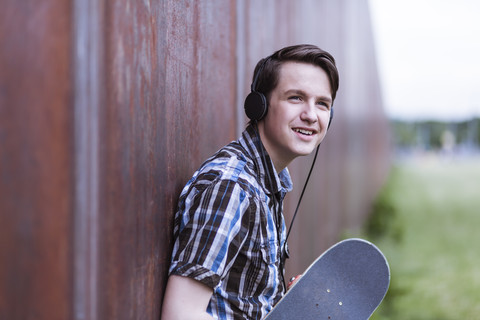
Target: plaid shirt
225,230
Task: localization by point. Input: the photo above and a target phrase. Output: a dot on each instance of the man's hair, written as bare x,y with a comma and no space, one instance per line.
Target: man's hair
269,67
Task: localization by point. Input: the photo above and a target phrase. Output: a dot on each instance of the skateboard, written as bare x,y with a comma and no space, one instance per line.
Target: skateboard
348,281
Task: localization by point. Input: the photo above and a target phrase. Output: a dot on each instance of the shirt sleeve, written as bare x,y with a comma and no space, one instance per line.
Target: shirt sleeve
211,227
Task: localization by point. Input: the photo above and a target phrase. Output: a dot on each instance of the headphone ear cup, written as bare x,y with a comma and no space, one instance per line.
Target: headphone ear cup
256,106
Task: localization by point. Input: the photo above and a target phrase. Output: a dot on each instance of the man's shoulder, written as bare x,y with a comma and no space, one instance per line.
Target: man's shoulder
229,160
231,163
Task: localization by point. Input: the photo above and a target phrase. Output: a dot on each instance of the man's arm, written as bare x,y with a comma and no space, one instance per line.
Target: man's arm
186,298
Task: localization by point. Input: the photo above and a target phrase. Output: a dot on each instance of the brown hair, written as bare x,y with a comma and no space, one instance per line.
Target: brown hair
268,68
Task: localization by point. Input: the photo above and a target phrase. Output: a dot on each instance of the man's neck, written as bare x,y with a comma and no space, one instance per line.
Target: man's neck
278,163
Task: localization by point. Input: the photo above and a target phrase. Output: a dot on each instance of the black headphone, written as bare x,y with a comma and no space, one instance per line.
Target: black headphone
256,105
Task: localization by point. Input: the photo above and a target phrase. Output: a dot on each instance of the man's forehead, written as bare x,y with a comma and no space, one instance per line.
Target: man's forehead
292,74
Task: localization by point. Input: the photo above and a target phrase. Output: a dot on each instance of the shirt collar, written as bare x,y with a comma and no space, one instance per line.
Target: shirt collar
281,182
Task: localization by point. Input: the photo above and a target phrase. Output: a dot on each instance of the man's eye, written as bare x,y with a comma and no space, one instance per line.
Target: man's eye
295,98
323,104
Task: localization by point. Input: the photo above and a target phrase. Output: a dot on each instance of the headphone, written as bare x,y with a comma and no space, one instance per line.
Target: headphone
256,105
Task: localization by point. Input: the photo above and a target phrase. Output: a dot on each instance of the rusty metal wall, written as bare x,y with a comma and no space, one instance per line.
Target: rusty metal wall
169,66
107,108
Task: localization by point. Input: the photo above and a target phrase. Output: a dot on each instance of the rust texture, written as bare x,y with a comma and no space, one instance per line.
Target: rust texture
108,107
170,104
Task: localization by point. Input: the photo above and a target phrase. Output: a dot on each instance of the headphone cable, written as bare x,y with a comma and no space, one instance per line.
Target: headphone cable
303,191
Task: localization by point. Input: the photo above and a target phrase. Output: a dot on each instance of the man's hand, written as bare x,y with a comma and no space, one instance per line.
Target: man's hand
293,280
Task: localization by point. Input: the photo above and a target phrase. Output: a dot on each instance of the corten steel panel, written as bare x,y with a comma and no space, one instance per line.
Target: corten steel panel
170,104
36,165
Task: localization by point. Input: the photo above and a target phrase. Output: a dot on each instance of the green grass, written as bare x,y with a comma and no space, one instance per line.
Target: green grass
426,222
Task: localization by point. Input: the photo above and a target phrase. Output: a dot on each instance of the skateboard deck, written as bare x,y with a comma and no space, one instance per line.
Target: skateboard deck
348,281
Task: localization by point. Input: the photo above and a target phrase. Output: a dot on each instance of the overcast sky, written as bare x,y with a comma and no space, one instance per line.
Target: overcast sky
429,57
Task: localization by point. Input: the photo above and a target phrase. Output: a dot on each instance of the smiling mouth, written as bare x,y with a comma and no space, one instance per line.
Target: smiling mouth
303,131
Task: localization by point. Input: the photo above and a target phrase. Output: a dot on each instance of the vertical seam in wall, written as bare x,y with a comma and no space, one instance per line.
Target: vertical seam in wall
87,99
240,65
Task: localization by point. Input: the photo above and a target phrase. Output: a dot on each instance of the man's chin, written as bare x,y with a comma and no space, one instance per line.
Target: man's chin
305,151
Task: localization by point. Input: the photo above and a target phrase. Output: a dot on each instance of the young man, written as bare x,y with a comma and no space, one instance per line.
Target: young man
229,250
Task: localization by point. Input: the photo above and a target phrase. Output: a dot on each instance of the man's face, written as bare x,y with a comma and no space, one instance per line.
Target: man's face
298,113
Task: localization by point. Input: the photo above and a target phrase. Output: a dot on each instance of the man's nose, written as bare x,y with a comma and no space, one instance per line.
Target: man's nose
308,112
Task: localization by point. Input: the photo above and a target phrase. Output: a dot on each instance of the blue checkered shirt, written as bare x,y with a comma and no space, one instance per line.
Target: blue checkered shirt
226,233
